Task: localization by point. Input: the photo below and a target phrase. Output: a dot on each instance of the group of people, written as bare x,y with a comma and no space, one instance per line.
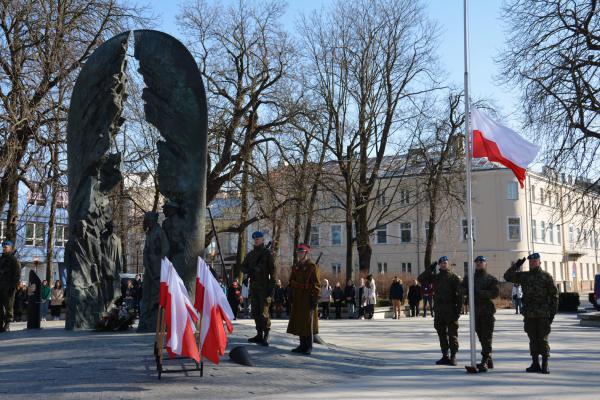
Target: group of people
360,302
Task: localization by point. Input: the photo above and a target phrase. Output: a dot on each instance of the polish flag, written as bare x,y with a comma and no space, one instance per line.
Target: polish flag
212,303
501,144
163,288
180,315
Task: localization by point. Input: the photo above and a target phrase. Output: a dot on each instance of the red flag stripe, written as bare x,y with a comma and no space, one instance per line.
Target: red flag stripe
487,148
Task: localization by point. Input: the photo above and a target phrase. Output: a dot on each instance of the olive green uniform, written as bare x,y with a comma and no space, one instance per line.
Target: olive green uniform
540,302
259,265
485,288
447,303
305,283
10,274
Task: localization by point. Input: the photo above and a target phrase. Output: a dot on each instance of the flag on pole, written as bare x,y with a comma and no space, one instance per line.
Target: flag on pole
180,315
501,144
212,303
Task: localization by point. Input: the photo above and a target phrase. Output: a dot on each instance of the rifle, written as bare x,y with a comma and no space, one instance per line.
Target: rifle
319,258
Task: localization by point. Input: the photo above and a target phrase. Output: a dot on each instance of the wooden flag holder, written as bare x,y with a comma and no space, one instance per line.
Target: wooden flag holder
159,347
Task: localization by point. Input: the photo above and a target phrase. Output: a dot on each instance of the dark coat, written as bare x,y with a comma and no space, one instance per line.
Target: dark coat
414,294
486,289
338,295
10,272
396,291
305,281
350,294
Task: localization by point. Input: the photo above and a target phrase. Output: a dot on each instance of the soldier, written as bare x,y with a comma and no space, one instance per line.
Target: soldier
259,265
486,289
540,302
10,274
447,304
305,284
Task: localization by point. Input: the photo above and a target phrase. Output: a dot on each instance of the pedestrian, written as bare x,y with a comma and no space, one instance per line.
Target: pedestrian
540,302
56,300
350,296
280,298
414,298
338,300
361,291
10,275
427,295
234,297
259,265
46,297
139,291
305,285
246,296
369,297
396,296
129,295
448,302
517,298
20,302
485,288
325,299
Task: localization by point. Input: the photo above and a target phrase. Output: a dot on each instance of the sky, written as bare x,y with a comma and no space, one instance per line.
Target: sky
486,41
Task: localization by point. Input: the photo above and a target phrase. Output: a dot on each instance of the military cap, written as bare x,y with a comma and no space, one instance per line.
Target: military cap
534,256
172,204
481,258
7,243
442,259
257,234
303,247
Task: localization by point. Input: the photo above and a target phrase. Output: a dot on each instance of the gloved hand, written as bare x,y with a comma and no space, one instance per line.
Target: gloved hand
520,262
433,266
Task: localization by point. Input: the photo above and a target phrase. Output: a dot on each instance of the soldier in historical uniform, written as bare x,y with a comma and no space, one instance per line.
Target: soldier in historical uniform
10,274
447,302
486,289
305,284
540,302
259,265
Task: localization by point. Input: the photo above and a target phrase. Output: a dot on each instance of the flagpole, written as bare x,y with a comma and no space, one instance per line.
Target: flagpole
468,153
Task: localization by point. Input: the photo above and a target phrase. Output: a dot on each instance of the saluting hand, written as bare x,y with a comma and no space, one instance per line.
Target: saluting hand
520,262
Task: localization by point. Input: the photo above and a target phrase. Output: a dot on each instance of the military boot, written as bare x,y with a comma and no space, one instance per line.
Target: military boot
444,360
452,360
490,363
300,346
545,369
307,350
483,365
535,364
265,339
258,338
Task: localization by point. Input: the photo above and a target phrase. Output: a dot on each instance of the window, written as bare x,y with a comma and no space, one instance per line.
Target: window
542,196
62,200
556,199
542,231
533,230
550,232
512,191
336,235
381,234
578,237
2,230
37,195
336,268
427,227
404,197
314,235
35,233
406,268
571,238
380,200
61,235
514,228
405,232
532,194
382,268
558,234
465,229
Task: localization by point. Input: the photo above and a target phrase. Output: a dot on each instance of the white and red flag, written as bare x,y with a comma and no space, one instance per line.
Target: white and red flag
212,303
180,315
501,144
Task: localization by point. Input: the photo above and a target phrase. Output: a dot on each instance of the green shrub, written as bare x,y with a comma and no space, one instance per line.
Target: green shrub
568,302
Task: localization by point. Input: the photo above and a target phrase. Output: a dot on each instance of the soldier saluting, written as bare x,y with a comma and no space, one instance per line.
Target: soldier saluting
305,283
10,274
259,265
486,288
447,302
540,302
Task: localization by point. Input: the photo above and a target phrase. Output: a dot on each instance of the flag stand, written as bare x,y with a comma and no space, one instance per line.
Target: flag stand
159,346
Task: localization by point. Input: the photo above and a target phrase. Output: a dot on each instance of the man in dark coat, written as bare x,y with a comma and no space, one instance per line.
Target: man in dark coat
447,300
259,265
486,289
396,296
414,298
540,302
10,274
350,296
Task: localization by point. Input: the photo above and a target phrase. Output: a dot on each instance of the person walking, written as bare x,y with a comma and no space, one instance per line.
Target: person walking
56,300
259,265
305,286
448,302
46,297
325,299
427,295
20,302
350,296
414,298
517,297
540,303
369,297
338,300
10,275
396,296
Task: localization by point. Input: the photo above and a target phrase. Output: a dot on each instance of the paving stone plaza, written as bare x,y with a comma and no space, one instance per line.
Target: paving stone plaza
376,359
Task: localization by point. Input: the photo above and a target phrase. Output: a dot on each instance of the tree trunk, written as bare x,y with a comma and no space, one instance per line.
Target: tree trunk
349,241
429,244
241,247
13,212
363,240
51,228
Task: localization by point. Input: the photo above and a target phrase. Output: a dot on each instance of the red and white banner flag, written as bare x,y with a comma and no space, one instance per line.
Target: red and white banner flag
501,144
180,315
212,303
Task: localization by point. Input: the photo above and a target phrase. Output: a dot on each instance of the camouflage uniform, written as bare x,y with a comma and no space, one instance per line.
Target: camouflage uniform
10,274
259,265
447,303
486,289
540,302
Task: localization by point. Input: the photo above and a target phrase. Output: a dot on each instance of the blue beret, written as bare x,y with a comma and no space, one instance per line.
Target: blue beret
534,256
7,243
257,234
442,259
481,258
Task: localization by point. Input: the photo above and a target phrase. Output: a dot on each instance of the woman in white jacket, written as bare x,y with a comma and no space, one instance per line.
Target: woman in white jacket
369,298
325,299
